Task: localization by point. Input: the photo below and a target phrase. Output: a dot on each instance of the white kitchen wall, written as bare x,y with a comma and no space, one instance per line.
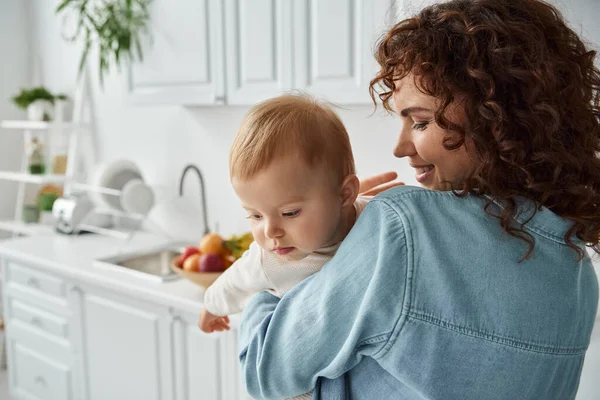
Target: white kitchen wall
14,73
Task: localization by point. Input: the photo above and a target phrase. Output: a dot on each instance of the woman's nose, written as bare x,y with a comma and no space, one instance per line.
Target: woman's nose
404,146
272,230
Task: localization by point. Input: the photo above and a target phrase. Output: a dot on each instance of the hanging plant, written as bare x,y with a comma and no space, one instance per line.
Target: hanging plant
115,26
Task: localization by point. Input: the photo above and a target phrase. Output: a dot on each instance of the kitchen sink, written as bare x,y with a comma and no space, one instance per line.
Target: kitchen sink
153,264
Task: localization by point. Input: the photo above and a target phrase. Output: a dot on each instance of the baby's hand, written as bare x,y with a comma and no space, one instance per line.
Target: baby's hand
209,323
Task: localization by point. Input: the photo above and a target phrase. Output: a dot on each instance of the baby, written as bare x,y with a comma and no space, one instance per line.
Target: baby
291,165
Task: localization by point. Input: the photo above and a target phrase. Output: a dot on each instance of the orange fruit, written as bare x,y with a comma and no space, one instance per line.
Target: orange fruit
211,243
191,263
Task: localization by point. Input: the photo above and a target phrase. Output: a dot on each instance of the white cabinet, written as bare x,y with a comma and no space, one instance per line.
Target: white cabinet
324,48
233,386
183,57
196,358
38,376
122,349
38,336
334,42
69,340
151,352
258,40
240,52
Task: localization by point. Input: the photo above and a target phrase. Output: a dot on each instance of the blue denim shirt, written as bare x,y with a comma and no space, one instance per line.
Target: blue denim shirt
426,299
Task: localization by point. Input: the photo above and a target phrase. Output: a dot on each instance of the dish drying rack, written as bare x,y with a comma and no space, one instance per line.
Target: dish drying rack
92,211
139,219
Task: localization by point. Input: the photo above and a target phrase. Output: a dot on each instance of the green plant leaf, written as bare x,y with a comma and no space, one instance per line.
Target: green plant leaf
62,5
112,25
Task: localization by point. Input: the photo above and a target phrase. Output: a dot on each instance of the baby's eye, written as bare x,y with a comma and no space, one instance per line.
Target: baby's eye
254,217
291,214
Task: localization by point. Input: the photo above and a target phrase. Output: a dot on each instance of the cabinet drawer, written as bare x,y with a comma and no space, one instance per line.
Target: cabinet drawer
35,280
43,320
38,376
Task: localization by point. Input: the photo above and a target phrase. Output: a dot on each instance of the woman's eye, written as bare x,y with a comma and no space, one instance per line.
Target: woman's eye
255,217
420,126
291,214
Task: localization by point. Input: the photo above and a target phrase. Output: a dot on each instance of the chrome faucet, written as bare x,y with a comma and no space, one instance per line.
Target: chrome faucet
202,195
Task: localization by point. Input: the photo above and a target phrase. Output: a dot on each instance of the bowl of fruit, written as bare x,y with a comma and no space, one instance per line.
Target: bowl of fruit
206,262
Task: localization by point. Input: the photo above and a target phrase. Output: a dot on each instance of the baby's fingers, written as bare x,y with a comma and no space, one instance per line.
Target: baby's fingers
224,323
221,327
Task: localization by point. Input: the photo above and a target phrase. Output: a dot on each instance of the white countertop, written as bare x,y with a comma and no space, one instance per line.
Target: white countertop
73,257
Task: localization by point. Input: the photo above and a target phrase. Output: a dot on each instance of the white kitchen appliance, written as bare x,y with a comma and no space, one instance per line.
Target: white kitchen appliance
69,212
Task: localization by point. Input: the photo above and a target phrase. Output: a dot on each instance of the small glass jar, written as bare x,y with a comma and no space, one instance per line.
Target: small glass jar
59,151
37,165
31,213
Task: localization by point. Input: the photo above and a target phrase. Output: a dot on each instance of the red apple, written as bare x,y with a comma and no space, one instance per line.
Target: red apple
190,250
211,263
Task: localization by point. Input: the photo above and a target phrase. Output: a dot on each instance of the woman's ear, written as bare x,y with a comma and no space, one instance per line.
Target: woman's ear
349,191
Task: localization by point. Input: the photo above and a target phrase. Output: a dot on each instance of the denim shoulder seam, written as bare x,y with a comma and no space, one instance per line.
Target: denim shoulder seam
535,228
545,233
506,341
401,320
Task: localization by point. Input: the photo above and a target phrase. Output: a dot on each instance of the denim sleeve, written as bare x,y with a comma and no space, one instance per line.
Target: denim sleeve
326,324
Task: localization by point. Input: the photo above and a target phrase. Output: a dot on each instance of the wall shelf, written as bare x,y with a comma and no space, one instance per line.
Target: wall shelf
60,133
23,228
30,178
35,125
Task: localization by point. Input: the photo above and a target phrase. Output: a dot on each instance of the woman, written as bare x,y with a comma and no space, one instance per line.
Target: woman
476,286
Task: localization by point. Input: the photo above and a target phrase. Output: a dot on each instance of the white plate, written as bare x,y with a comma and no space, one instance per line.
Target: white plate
137,197
113,175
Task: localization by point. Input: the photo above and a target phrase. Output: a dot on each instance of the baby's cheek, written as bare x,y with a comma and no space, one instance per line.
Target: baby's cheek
313,233
258,235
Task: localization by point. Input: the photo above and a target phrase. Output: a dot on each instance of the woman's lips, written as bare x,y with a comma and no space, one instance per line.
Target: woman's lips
422,173
282,251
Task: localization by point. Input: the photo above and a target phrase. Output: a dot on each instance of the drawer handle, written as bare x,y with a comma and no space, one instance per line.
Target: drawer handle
37,322
33,283
40,380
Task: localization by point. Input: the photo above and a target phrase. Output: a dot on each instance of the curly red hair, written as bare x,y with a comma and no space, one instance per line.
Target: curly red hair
530,94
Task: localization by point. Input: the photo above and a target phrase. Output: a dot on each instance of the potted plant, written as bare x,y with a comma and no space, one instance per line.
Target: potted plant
115,26
38,102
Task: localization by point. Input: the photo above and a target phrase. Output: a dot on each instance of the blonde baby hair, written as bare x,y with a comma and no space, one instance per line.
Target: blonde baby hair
291,125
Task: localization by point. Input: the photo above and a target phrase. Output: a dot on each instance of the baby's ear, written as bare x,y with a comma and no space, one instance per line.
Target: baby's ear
349,191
